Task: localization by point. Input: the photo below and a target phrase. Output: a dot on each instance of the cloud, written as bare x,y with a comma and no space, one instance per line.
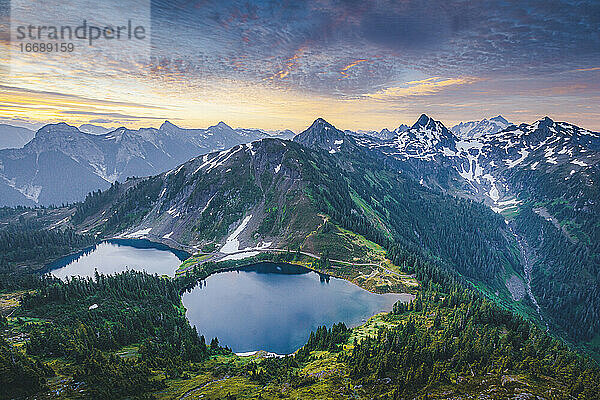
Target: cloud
254,41
251,60
101,121
586,69
45,94
415,27
344,70
112,115
422,87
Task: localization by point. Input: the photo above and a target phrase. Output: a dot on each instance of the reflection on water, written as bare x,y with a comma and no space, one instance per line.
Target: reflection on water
117,256
274,307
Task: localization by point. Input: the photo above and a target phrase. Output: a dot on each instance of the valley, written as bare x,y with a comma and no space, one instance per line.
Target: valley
298,200
266,286
527,269
446,222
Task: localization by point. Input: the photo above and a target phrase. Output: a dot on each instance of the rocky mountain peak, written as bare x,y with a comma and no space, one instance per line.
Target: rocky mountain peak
480,128
320,123
322,129
546,121
500,119
423,121
430,128
322,134
222,125
167,125
426,123
61,128
402,128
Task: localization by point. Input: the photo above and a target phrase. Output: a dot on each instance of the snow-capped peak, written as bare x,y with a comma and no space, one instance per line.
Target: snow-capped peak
428,128
477,129
425,122
424,140
500,120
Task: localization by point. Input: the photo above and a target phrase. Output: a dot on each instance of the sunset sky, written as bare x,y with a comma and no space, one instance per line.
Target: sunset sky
281,64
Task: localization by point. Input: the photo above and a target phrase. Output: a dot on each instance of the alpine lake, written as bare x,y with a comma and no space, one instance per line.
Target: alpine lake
266,306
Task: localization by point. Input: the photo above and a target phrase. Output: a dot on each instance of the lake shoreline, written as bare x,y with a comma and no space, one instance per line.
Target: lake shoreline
274,306
113,256
112,251
271,257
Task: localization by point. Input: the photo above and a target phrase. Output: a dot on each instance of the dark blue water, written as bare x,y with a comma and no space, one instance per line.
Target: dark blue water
274,307
119,255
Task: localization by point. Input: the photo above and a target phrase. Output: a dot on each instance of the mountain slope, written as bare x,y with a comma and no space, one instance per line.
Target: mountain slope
413,215
12,137
541,178
280,194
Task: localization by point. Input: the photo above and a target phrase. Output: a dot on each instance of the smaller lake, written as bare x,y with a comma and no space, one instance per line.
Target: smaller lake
118,255
274,307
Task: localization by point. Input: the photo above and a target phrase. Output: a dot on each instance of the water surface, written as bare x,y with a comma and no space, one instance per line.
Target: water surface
113,256
274,307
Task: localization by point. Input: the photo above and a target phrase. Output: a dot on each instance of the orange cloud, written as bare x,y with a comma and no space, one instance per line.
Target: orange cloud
347,67
423,87
290,63
587,69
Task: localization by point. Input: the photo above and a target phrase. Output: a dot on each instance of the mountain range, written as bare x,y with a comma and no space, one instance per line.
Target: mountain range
62,163
513,212
539,180
463,130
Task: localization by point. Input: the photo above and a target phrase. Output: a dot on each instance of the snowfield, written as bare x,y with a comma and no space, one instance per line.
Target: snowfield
232,244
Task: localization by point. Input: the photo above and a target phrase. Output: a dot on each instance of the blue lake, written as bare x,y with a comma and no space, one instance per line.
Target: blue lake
118,255
266,306
274,307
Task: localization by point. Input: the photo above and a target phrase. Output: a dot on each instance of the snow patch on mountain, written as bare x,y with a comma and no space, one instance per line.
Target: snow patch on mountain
139,233
580,163
232,243
30,191
511,164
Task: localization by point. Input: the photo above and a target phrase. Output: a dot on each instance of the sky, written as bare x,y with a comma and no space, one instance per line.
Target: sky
281,64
